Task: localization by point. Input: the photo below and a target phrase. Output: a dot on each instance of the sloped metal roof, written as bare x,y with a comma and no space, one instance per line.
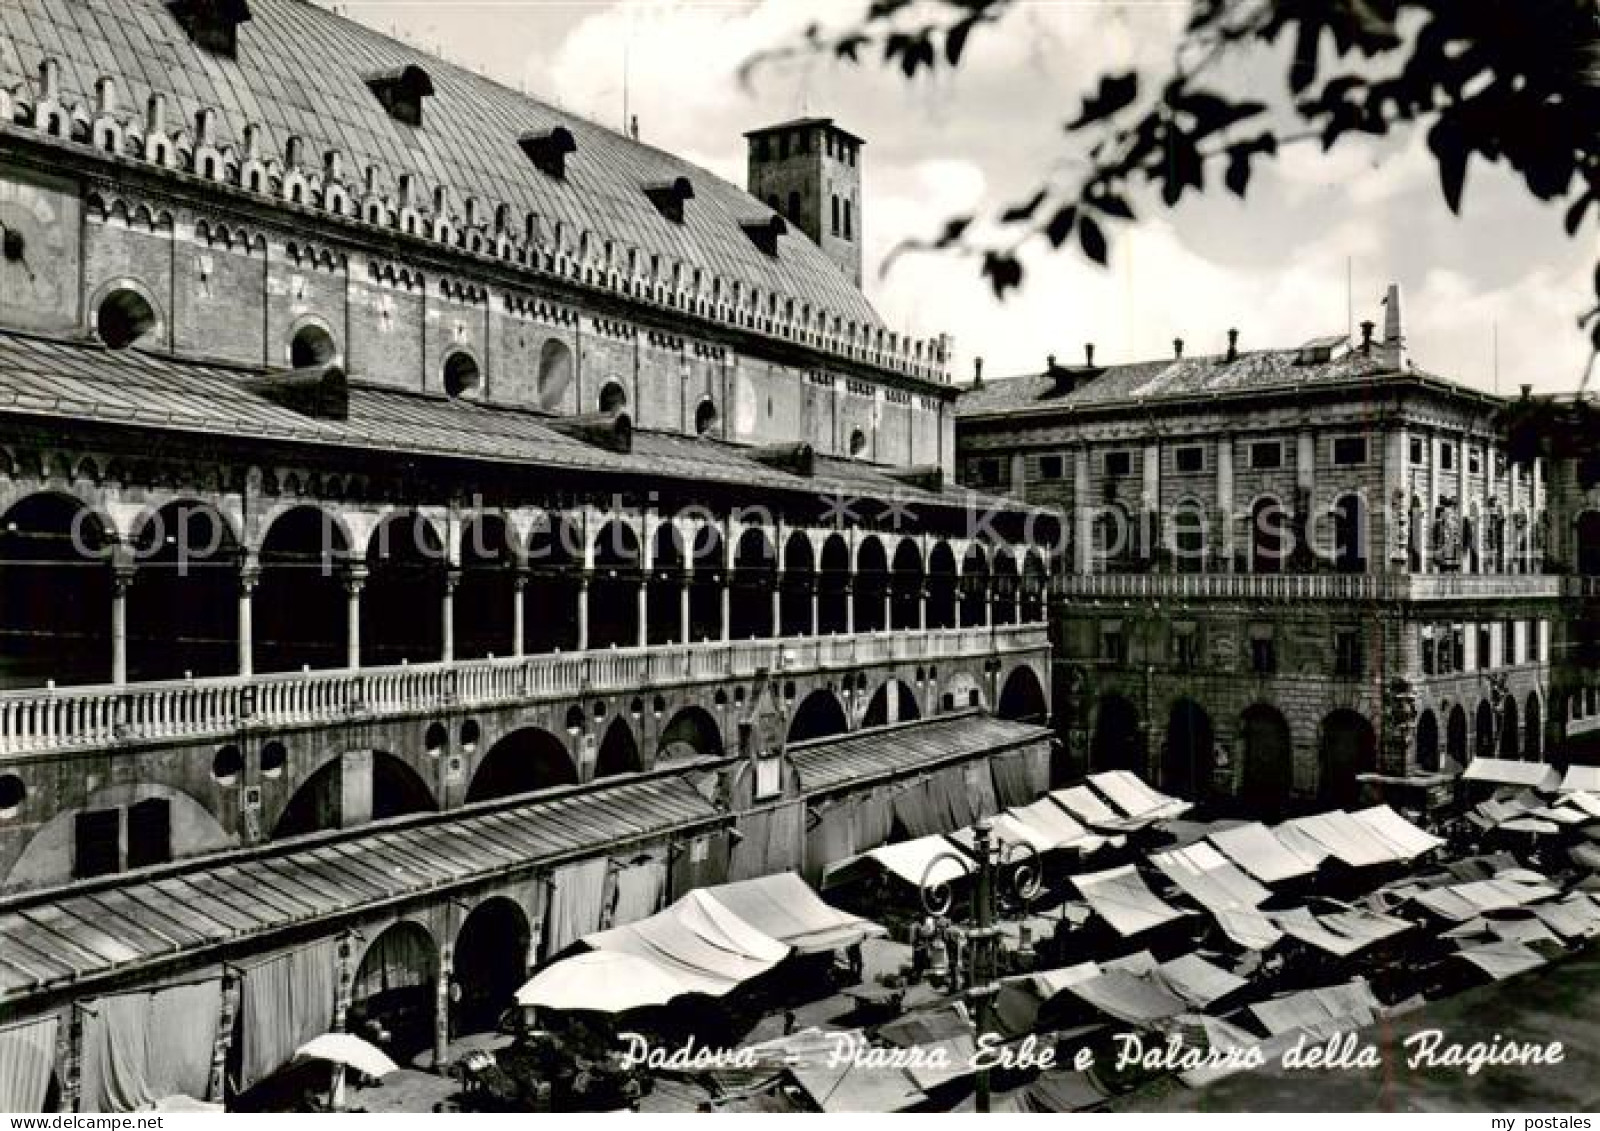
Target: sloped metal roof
886,751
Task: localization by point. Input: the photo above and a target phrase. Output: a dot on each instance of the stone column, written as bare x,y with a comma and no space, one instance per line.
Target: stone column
642,608
727,605
1435,445
849,606
888,604
922,609
683,611
1396,501
447,616
583,611
813,586
519,590
1083,521
122,575
1150,500
1305,481
777,604
249,575
1225,522
441,1009
354,579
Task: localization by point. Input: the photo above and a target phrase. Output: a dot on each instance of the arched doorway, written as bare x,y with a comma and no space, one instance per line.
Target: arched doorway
1266,775
1267,550
1188,757
1510,731
871,584
1035,587
1006,582
1118,742
941,586
974,587
755,563
485,595
906,586
893,702
392,996
402,601
1588,538
1533,729
819,715
1428,742
619,752
1483,730
550,605
55,593
524,761
614,591
1456,736
356,787
833,587
1349,748
706,585
490,965
1022,698
666,586
299,609
1349,534
799,579
183,609
690,735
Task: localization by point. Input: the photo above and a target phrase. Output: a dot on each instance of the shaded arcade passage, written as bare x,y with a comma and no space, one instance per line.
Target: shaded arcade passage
55,594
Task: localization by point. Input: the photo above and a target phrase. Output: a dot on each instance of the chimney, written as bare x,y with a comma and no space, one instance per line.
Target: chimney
105,94
1088,355
1177,348
977,373
49,80
293,151
1050,363
1366,336
1233,345
633,127
333,165
1394,339
205,127
155,115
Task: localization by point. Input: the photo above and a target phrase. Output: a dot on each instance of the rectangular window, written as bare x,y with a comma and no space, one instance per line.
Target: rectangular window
1430,659
1484,659
1419,451
150,833
1506,634
1474,461
1113,645
1118,463
1190,459
1349,450
1447,456
1185,649
97,850
1050,467
1263,655
1266,455
1347,658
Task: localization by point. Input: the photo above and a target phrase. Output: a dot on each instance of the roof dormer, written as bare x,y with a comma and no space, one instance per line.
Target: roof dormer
548,149
401,90
212,24
764,233
669,197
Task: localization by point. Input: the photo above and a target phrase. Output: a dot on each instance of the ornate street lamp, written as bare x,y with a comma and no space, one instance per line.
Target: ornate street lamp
1022,881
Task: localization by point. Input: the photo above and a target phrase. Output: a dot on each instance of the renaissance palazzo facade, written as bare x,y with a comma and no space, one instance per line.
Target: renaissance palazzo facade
421,509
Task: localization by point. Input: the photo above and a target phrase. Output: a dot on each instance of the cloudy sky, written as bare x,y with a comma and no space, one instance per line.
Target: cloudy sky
1275,266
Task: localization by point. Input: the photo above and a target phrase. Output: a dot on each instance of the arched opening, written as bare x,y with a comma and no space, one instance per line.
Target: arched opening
461,374
706,585
1588,539
555,374
55,593
1455,744
125,318
1117,742
974,587
666,585
906,586
1349,534
799,579
1022,698
1483,730
1267,772
401,603
183,609
858,442
1349,748
754,577
819,715
893,702
871,584
1428,742
485,595
1005,584
1267,551
941,586
392,996
299,604
1414,535
833,587
524,761
690,735
1533,729
614,588
705,417
550,606
613,397
490,965
1188,757
619,752
356,787
1510,730
312,346
1035,587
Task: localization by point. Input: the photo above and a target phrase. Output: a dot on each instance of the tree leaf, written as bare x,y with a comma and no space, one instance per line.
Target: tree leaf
1575,213
1237,177
1003,271
1060,226
1092,240
1017,213
1111,204
954,229
955,41
1449,149
1115,92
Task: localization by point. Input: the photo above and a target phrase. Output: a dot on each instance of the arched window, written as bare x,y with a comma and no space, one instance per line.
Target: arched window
124,318
613,397
461,375
705,417
858,442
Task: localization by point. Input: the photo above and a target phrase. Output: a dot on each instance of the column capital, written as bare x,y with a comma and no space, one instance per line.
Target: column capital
452,579
354,576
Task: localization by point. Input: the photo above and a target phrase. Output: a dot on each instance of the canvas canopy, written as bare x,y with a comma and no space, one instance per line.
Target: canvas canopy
784,907
1460,902
1121,898
1255,849
1209,878
1340,836
1585,800
1128,792
1323,1012
706,947
1197,981
1584,778
1128,997
1050,823
1085,804
913,861
1505,771
1500,960
1340,934
1575,917
1248,928
1406,840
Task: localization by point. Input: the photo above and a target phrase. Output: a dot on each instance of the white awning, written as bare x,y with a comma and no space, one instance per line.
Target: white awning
1128,792
784,908
1581,778
910,860
1504,771
1121,898
1255,849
